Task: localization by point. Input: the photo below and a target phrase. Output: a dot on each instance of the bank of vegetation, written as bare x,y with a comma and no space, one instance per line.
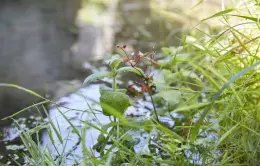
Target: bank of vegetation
209,87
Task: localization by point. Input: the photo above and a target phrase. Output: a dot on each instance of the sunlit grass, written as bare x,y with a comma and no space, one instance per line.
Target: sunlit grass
218,79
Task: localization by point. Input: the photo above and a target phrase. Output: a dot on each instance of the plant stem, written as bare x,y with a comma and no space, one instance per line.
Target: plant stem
155,111
114,82
117,129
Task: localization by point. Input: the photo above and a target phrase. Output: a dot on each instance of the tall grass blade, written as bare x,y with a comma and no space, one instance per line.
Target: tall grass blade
215,97
72,126
22,110
53,126
224,136
221,13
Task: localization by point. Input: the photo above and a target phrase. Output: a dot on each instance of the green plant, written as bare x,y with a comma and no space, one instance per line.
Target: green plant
209,87
225,74
114,97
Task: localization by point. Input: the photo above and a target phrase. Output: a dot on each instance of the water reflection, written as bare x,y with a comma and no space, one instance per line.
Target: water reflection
143,28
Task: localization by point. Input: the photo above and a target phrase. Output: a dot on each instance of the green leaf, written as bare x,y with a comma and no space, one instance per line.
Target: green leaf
171,96
114,103
249,18
160,84
96,76
114,61
166,50
170,77
131,69
104,88
194,106
221,13
168,61
198,46
172,51
101,138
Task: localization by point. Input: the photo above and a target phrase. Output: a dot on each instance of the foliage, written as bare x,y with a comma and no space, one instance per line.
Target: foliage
209,87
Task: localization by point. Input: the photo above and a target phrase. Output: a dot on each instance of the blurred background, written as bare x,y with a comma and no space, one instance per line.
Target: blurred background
51,46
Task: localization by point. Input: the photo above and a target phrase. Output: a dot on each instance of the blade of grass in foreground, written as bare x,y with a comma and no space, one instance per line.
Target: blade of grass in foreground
86,153
195,106
169,132
225,80
215,97
246,17
203,71
34,94
221,13
22,88
224,136
73,127
22,110
53,126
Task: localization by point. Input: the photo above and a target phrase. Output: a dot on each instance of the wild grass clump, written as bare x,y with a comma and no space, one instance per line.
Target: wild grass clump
229,62
209,87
